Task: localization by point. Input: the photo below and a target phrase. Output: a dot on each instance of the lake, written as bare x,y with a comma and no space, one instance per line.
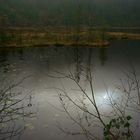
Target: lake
55,85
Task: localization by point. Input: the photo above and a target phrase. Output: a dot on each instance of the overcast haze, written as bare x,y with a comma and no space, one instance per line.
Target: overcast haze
71,12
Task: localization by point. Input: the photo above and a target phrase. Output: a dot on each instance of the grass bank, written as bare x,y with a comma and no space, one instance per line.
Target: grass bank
62,36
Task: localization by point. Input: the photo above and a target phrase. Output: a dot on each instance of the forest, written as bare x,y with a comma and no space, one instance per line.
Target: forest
98,13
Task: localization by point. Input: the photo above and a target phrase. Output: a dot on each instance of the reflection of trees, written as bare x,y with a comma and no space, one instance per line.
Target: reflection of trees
88,62
3,56
78,62
20,54
3,61
85,111
103,55
14,107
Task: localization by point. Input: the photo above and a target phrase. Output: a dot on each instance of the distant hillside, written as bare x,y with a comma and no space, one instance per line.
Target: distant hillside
103,13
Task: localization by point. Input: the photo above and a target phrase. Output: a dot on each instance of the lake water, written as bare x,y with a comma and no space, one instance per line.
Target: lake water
45,72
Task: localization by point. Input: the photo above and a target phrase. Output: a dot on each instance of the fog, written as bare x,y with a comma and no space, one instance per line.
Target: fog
60,12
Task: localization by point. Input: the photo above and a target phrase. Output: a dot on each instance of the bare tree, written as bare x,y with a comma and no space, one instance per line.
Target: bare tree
14,107
116,123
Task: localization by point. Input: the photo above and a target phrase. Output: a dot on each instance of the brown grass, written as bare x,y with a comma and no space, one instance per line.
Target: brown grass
31,37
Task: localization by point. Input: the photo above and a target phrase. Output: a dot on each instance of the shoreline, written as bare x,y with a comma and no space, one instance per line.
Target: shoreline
39,37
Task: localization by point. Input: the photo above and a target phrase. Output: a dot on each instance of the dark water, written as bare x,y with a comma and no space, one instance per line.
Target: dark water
42,67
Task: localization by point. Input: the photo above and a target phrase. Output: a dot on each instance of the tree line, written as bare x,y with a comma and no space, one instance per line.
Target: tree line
70,12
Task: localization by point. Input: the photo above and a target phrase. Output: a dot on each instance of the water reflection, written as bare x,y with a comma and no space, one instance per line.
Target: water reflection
103,55
47,67
3,61
21,54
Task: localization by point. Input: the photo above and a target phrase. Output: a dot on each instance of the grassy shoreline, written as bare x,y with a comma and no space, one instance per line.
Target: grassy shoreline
36,37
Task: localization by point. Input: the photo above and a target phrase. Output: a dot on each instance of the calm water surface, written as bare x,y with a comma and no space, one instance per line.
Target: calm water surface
43,67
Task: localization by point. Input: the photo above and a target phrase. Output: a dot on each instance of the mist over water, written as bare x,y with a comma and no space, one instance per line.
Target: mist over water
43,66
